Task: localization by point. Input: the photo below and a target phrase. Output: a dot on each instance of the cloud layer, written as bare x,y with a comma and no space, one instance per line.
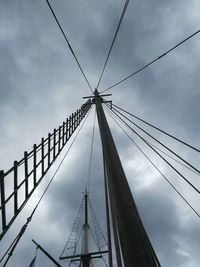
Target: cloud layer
41,85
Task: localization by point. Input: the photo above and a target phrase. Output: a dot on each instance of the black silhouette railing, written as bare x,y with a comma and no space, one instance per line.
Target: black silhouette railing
19,182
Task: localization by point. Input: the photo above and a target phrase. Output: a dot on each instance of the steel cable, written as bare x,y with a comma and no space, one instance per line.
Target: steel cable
180,174
157,128
113,41
70,47
153,164
155,139
151,62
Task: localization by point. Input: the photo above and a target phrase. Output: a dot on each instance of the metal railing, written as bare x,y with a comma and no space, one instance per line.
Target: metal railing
19,182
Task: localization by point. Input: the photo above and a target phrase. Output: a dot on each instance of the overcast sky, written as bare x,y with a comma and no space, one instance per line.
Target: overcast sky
41,85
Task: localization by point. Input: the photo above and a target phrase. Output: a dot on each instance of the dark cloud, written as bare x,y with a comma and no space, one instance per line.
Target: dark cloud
41,85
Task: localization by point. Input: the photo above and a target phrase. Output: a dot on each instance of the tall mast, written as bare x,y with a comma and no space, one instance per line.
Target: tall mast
131,238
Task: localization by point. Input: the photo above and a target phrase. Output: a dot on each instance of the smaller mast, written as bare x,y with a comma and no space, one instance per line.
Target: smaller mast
85,256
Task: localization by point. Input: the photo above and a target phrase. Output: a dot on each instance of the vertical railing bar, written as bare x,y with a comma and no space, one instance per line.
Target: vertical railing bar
34,165
79,115
15,187
54,144
71,125
49,150
26,173
59,139
42,156
3,207
63,134
67,129
75,120
70,122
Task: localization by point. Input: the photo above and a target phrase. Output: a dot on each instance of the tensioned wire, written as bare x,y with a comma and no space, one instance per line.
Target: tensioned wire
69,45
155,139
152,61
116,119
113,41
178,172
91,154
157,128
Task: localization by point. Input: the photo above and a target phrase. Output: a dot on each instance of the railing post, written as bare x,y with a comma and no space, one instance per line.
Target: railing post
42,156
15,187
49,150
3,207
26,173
59,139
63,134
54,144
70,125
34,165
67,130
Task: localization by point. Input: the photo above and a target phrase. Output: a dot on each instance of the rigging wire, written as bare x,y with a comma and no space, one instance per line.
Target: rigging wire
91,154
113,41
157,128
153,61
10,250
155,139
185,166
108,219
153,164
178,172
97,246
77,224
68,43
95,221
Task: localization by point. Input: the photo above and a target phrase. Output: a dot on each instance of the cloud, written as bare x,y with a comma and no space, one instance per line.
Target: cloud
41,85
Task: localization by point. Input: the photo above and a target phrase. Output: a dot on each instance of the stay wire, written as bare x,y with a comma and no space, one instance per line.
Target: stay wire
91,154
179,173
153,164
152,62
94,218
113,41
185,166
97,246
77,221
12,247
155,127
155,139
70,47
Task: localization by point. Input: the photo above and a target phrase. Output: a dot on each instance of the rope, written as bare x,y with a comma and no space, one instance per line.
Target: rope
184,199
180,174
153,61
66,39
91,155
185,161
12,247
113,41
162,131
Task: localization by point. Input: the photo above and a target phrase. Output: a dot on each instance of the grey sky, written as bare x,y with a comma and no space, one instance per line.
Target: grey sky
41,85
